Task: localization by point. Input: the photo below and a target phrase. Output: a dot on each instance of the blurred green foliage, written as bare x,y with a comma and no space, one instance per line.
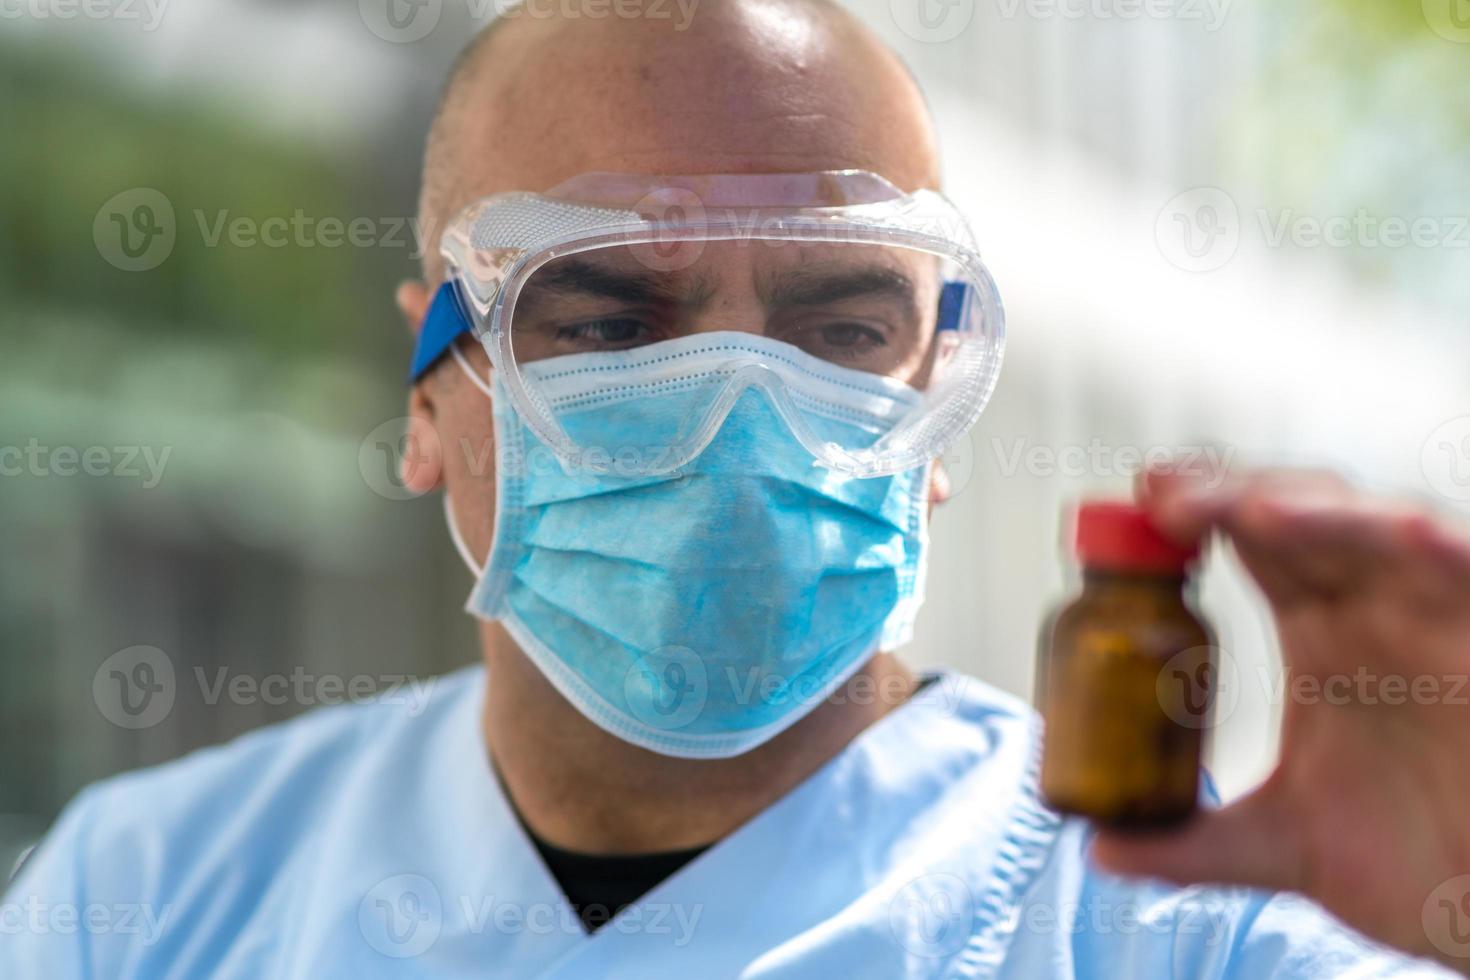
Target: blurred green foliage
260,371
1362,105
77,138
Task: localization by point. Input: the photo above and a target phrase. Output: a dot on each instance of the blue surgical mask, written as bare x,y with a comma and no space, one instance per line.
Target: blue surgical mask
700,612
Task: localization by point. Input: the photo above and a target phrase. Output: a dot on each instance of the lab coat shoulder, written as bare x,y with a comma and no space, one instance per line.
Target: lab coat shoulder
188,847
1285,935
1078,921
1059,915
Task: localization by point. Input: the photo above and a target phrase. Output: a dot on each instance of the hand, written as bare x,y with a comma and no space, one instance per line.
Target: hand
1368,812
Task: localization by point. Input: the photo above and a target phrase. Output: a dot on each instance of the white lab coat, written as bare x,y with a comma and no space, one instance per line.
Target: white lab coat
374,841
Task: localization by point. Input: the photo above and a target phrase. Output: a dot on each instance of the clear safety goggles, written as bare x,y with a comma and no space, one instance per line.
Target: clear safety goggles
843,299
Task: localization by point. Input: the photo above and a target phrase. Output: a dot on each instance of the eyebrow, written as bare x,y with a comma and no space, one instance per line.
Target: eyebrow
801,288
575,275
813,288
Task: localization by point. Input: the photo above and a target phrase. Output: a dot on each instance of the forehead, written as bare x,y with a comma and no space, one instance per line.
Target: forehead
748,87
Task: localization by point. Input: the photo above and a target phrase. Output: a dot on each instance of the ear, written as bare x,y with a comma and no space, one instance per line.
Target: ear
939,486
413,300
422,463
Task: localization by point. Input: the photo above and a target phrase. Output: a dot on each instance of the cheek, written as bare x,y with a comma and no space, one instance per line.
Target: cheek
471,460
468,439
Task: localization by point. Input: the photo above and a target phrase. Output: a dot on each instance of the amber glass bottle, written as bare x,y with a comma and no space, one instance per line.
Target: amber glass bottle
1124,678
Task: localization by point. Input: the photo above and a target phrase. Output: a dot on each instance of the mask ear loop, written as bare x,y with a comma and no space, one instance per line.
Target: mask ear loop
454,534
464,366
459,542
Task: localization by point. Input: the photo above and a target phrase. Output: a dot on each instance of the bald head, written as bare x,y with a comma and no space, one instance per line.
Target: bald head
737,86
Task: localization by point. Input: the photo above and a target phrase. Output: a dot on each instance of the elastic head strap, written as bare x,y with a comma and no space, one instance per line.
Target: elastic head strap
446,322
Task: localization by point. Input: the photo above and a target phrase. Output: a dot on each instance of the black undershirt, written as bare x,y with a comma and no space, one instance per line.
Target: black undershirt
600,886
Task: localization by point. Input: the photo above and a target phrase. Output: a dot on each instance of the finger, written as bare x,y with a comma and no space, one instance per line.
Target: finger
1443,577
1187,503
1393,549
1248,843
1302,547
1300,533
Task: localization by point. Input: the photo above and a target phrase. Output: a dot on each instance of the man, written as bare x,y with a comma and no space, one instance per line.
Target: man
546,817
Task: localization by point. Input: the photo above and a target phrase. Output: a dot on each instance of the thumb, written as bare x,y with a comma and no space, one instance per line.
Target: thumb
1248,843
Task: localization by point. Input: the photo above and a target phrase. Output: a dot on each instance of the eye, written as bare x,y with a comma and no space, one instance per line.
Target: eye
851,335
849,339
608,333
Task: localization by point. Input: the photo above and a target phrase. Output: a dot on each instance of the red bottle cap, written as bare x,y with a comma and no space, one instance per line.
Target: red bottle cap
1119,537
